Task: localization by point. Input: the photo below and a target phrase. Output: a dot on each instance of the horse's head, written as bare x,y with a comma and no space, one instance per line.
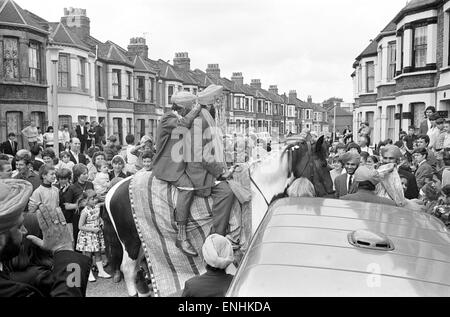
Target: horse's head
310,161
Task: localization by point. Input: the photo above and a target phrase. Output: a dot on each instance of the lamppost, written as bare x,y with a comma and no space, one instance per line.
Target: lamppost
334,119
54,57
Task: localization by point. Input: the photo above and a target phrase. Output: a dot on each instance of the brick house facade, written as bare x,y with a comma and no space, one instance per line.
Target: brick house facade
410,70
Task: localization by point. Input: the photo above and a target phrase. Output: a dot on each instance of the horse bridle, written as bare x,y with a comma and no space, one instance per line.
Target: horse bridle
257,187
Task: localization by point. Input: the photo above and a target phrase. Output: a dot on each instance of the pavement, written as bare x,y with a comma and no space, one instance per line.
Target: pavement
106,288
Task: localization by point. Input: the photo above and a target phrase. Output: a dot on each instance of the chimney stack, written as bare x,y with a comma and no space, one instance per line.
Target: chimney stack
292,94
76,20
310,101
238,79
138,46
213,70
256,83
273,89
182,61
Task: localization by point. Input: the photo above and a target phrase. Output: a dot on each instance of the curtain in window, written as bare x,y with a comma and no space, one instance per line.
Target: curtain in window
392,60
115,82
34,61
11,58
63,71
420,46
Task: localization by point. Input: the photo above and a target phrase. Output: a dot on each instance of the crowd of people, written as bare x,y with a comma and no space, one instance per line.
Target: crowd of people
414,171
76,183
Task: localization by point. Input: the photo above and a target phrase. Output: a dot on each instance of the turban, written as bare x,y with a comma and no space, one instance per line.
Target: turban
209,95
218,251
184,99
391,151
14,195
350,157
364,174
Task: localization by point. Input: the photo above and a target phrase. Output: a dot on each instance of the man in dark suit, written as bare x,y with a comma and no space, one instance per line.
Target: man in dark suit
423,142
75,155
10,147
425,126
206,163
343,183
82,135
70,270
365,182
172,169
424,169
218,254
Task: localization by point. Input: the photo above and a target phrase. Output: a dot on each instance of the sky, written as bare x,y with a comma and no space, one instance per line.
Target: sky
303,45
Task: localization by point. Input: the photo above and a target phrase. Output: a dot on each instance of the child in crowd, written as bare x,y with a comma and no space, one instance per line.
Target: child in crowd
65,161
64,177
338,169
46,194
101,181
442,210
147,158
90,238
372,162
364,157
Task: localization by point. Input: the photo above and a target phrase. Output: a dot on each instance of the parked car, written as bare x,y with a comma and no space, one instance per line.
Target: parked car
323,247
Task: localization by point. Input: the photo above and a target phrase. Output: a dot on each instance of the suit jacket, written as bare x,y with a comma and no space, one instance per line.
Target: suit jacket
412,192
82,137
423,127
422,171
169,132
81,158
6,148
214,283
340,184
202,173
367,196
59,276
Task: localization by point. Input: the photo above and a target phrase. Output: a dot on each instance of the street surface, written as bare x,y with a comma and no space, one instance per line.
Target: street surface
106,288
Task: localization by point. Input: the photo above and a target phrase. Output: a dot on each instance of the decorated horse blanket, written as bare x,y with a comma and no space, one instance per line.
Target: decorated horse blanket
153,203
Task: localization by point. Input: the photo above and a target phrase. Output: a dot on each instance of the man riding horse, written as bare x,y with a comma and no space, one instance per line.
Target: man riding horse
206,164
172,169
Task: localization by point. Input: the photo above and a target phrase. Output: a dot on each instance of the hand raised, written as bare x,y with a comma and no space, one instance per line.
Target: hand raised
56,234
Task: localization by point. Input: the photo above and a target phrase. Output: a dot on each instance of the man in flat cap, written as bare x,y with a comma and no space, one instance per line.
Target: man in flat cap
392,154
171,169
365,184
70,269
207,162
344,182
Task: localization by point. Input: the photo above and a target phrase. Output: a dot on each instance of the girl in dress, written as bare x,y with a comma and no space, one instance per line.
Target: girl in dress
90,237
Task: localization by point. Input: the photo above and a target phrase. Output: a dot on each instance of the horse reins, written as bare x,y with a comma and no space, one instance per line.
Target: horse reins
257,187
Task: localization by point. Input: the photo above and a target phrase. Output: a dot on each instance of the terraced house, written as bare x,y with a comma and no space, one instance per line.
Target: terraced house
405,70
122,87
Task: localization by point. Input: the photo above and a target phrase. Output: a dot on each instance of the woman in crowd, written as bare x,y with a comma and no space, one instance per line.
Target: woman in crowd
49,139
118,165
80,185
98,159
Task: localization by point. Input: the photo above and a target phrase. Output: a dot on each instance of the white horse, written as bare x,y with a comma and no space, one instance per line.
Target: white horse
268,178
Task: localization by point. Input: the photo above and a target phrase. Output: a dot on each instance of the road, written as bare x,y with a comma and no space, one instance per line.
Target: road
106,288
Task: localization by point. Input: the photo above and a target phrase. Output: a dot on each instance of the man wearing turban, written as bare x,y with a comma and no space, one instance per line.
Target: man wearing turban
70,269
392,154
344,182
206,163
169,165
218,255
365,184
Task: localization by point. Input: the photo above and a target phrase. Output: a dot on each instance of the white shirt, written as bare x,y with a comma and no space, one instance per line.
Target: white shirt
367,149
348,179
66,136
429,124
75,155
434,135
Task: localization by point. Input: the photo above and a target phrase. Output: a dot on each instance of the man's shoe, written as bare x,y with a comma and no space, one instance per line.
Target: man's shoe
186,247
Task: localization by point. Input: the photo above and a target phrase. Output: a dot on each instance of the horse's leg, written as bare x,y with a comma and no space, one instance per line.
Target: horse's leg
129,269
141,284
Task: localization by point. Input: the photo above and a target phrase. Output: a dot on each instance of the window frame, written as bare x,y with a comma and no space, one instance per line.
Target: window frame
140,89
38,68
370,78
16,64
62,72
392,61
423,47
81,73
117,85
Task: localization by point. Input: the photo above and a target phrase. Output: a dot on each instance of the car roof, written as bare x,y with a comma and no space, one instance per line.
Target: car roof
302,248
